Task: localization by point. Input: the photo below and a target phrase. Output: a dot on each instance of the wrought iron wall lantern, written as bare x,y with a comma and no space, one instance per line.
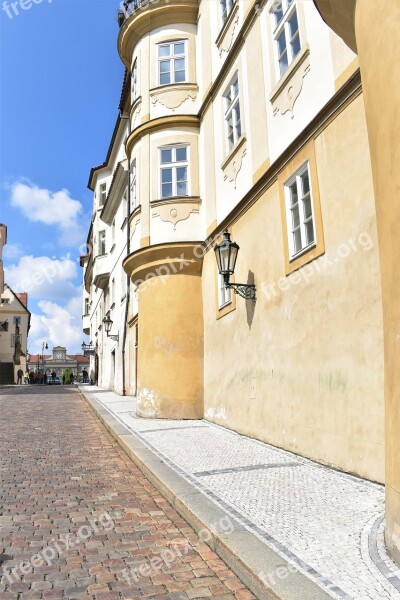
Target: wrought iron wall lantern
87,349
108,323
226,254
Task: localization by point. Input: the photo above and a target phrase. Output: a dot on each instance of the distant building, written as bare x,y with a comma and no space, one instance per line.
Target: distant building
59,361
14,325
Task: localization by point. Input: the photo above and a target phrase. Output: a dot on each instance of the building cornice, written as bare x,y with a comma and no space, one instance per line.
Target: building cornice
161,123
175,258
150,16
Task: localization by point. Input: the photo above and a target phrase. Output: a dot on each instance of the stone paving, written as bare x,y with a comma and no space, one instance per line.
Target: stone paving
79,520
329,524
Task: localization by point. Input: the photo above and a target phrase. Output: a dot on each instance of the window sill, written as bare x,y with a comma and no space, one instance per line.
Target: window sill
233,151
289,86
226,308
224,40
302,252
174,200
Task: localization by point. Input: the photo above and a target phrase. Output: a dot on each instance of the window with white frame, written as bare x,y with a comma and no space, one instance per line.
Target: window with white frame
86,306
226,9
134,81
174,167
112,290
123,284
286,33
113,233
132,184
125,204
102,242
103,194
172,62
299,211
224,293
233,123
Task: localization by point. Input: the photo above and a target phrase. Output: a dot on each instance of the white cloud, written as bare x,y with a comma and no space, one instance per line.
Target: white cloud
57,325
43,277
12,251
51,208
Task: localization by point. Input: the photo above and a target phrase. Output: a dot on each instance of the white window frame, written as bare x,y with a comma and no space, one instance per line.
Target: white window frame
102,242
226,9
171,58
287,9
134,81
174,165
224,294
86,309
125,205
299,229
133,185
233,123
102,194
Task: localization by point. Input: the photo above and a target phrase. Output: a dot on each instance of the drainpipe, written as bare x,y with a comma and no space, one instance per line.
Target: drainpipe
128,250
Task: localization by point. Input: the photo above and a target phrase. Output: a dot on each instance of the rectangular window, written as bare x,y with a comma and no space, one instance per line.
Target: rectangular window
113,233
224,294
299,212
103,194
86,306
132,184
286,33
174,171
226,9
125,205
14,339
134,81
123,284
112,295
102,242
233,123
172,62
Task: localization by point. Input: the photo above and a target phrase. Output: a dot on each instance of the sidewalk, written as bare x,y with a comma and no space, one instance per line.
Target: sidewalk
290,528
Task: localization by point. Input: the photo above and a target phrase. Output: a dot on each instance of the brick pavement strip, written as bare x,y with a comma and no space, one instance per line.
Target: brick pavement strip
79,520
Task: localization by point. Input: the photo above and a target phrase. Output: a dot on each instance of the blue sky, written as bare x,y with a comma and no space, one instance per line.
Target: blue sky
61,79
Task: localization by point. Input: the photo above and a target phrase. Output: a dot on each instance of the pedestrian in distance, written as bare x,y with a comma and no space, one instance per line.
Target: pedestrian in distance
26,378
45,378
31,377
53,376
19,376
63,378
71,378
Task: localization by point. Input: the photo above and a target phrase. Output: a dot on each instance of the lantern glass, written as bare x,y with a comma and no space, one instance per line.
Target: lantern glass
107,324
226,254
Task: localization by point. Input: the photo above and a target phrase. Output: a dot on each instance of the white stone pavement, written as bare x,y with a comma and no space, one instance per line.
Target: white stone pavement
329,524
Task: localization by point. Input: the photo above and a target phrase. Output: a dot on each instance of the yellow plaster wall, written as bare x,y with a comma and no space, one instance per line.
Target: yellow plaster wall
303,367
170,353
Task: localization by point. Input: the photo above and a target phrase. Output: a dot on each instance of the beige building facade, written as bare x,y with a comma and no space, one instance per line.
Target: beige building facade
14,325
249,118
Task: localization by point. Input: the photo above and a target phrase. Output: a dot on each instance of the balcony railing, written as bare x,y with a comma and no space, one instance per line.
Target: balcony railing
129,7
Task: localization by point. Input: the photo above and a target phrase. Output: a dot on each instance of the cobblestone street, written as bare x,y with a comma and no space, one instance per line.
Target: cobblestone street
78,519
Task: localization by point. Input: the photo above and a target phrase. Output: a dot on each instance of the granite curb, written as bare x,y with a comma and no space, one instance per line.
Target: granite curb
267,574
